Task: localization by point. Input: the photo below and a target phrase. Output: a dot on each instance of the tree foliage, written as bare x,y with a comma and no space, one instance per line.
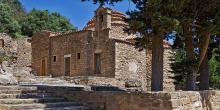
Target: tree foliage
17,9
214,68
38,20
8,24
16,22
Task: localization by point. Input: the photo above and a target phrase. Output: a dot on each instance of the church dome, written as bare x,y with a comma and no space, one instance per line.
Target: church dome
117,18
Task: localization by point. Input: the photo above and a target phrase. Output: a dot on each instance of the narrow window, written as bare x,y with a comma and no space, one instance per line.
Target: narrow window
101,17
54,58
97,64
78,55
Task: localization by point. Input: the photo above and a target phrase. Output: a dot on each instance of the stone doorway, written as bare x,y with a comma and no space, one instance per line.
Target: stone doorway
67,66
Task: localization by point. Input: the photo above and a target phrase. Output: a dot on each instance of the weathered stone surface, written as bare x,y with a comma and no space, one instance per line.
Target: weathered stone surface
23,74
7,79
180,100
18,52
133,83
23,53
6,76
8,45
130,65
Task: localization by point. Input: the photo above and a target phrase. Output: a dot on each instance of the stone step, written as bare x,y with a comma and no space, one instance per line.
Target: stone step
44,82
43,76
26,95
40,105
24,88
17,91
66,108
49,79
31,100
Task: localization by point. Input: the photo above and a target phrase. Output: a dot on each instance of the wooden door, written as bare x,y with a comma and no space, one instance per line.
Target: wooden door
43,68
67,66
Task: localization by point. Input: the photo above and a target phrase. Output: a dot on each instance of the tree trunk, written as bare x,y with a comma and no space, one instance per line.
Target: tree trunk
203,66
204,74
191,76
157,64
204,44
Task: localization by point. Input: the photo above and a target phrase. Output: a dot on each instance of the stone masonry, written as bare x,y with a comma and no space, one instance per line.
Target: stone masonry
120,100
102,49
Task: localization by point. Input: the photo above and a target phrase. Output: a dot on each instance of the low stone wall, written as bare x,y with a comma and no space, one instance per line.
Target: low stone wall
196,100
94,80
133,85
122,100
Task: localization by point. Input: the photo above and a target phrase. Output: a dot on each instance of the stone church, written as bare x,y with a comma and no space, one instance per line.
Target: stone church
102,50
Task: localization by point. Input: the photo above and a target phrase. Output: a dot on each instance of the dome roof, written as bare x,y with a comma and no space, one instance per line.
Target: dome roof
116,18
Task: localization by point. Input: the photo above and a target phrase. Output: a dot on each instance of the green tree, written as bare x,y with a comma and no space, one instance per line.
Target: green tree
17,9
199,23
38,20
214,62
7,22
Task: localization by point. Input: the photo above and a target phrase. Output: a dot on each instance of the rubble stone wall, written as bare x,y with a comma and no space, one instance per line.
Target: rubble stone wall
179,100
168,83
9,45
24,52
130,65
19,49
18,53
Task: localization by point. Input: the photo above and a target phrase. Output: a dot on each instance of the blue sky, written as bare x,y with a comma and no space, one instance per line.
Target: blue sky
76,11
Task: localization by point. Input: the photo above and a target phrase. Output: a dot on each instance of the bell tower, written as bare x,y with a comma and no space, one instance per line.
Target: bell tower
102,18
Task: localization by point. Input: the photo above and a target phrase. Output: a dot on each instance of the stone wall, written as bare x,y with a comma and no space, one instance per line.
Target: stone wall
24,52
130,66
179,100
168,83
149,68
105,46
74,45
86,44
120,100
9,46
196,100
19,49
40,51
95,81
18,62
